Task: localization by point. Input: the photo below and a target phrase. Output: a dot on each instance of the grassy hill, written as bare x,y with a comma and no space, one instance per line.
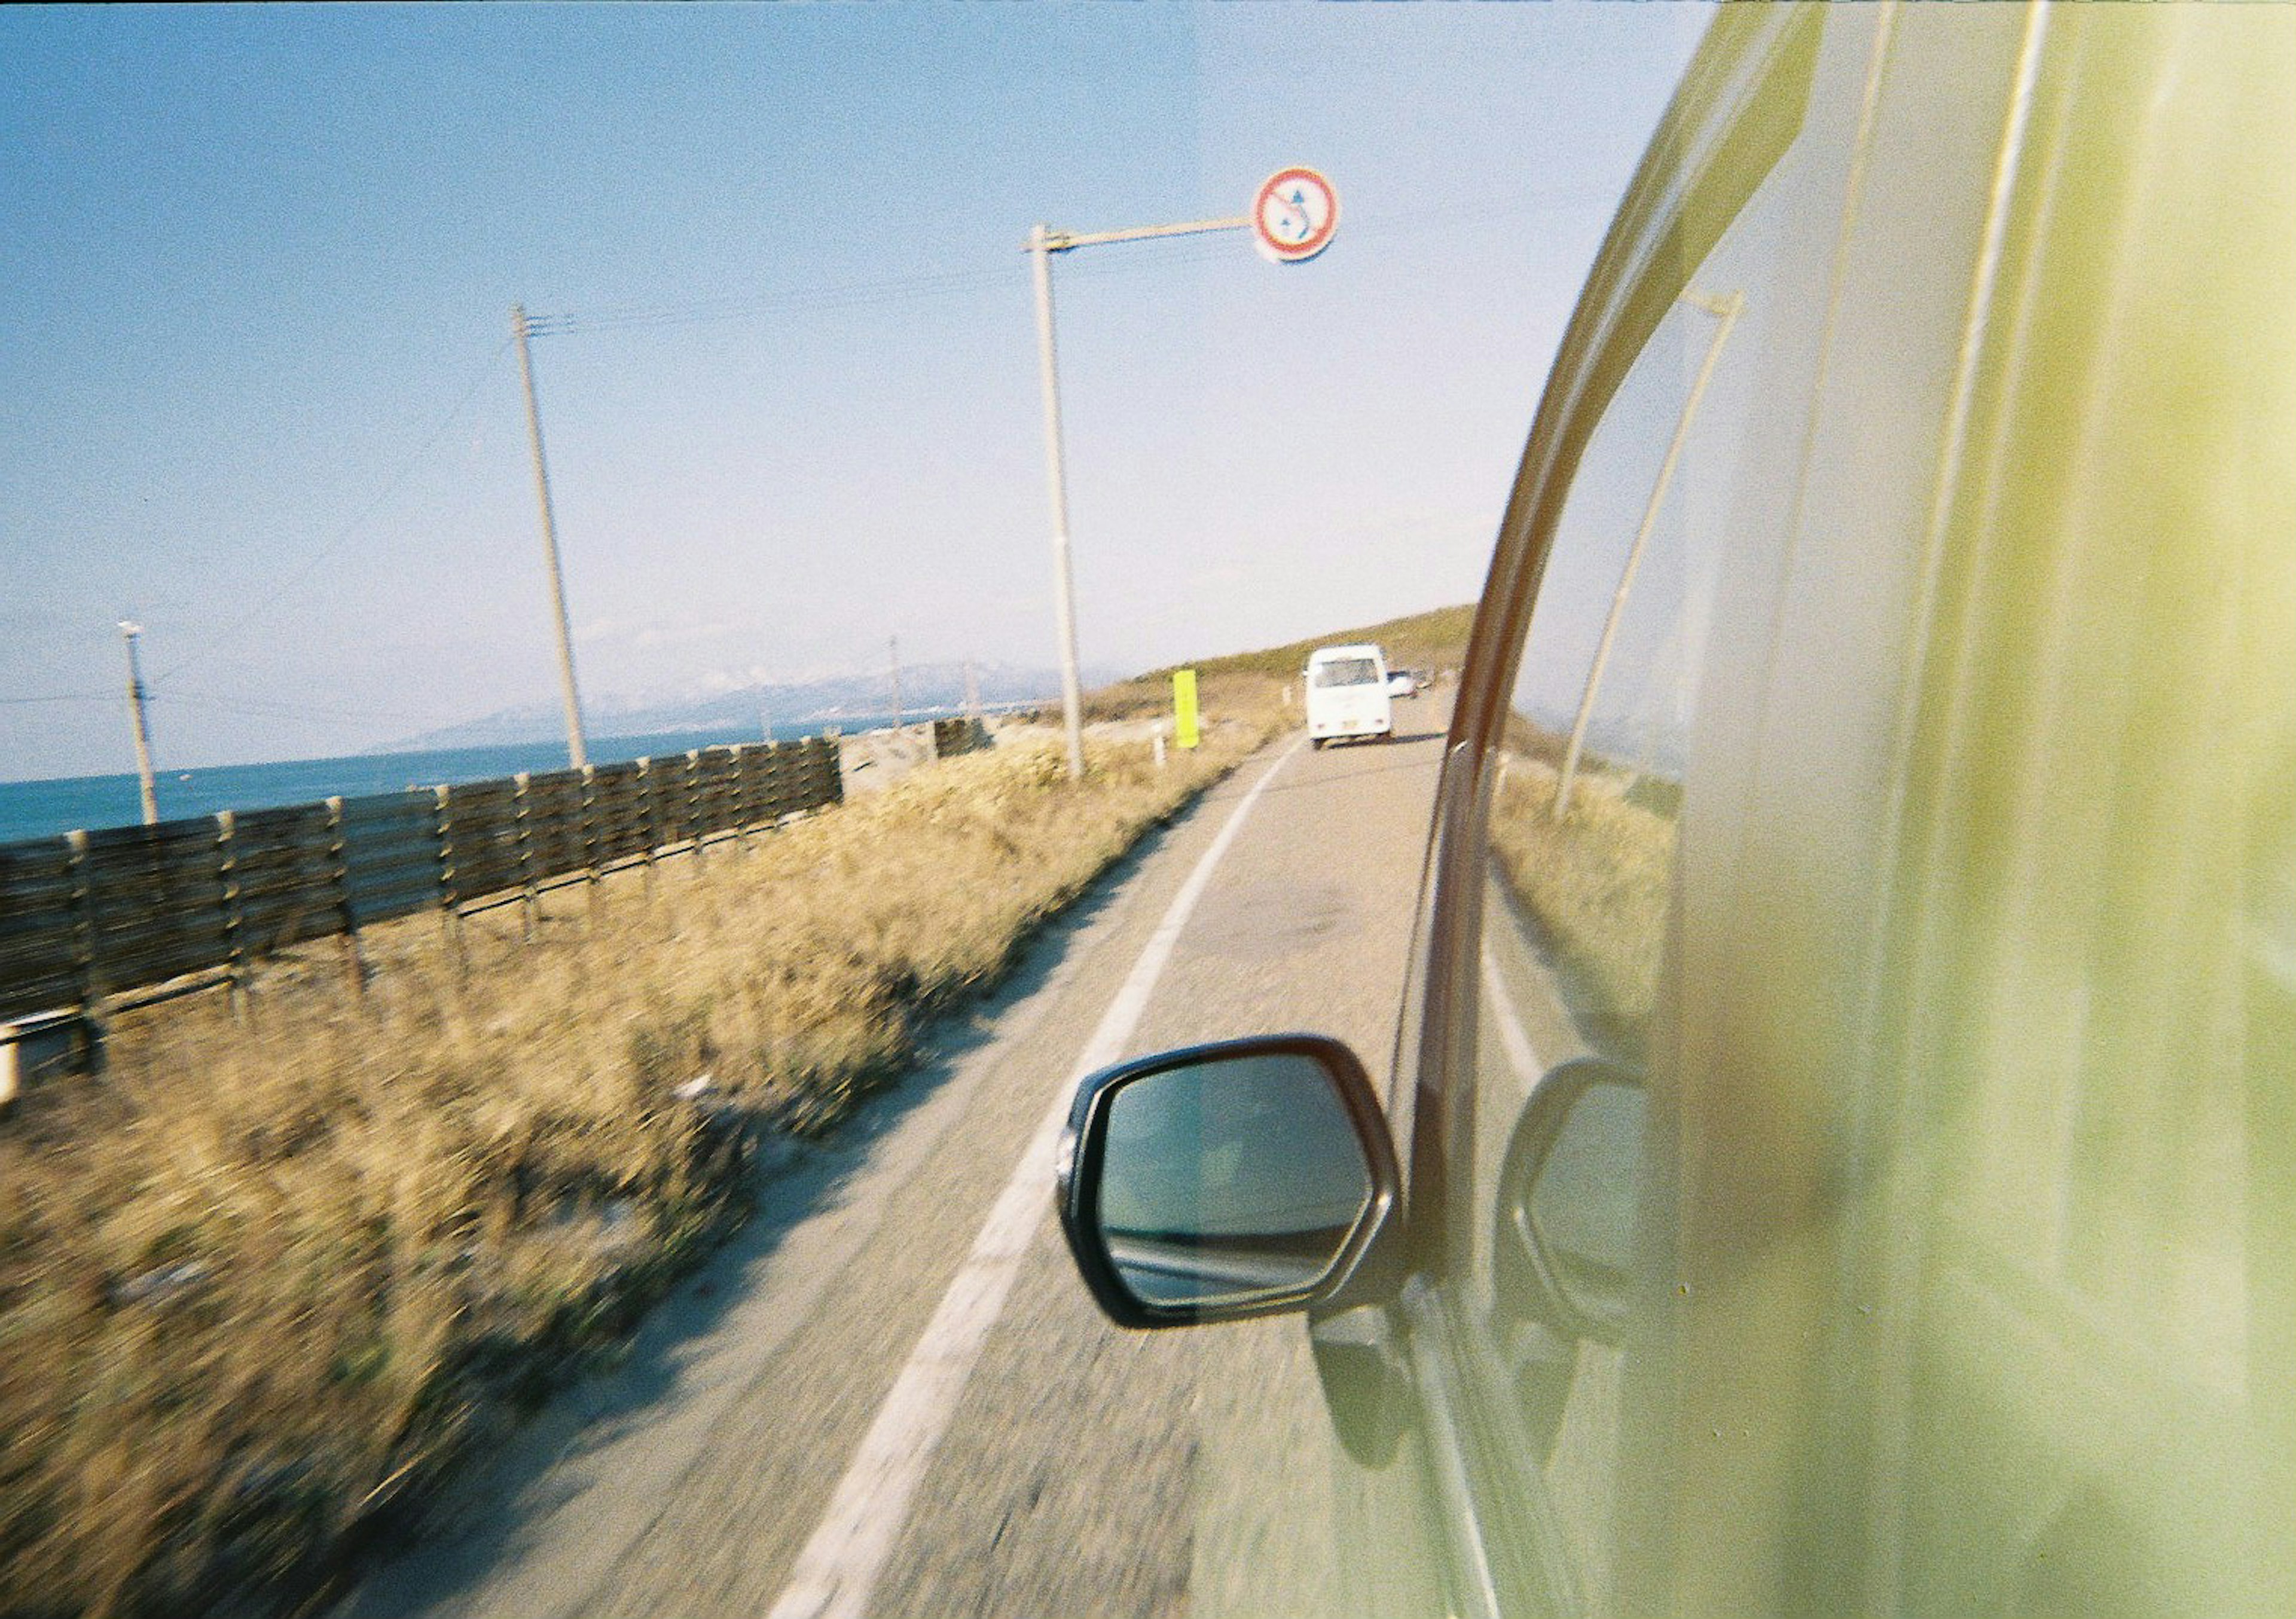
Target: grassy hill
1435,640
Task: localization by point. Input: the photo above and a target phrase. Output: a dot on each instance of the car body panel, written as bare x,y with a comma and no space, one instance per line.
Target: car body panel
1908,590
1878,737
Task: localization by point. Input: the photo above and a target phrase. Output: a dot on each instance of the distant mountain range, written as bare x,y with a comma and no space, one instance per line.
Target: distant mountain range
928,688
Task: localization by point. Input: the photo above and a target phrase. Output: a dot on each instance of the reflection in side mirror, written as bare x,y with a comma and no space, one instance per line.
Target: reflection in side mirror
1224,1181
1567,1198
1229,1180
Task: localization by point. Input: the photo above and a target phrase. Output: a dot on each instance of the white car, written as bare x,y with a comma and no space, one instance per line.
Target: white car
1348,693
1402,683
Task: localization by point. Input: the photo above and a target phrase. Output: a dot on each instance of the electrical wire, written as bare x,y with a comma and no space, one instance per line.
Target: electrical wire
259,709
1147,258
343,537
866,295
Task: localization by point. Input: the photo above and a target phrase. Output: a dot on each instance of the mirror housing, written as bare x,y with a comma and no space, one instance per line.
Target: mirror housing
1568,1190
1229,1126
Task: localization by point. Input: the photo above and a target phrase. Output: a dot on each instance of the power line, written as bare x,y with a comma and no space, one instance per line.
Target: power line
930,284
865,295
258,708
293,581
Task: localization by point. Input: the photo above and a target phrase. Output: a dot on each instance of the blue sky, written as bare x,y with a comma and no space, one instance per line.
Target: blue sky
255,303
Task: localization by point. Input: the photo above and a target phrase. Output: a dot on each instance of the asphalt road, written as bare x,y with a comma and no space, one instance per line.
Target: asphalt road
1016,1455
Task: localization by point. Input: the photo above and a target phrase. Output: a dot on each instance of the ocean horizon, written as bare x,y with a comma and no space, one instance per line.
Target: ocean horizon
47,808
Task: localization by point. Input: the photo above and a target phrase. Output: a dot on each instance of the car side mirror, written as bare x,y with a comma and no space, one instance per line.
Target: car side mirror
1568,1194
1250,1177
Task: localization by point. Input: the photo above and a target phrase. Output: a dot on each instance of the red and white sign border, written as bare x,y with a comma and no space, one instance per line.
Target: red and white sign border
1293,252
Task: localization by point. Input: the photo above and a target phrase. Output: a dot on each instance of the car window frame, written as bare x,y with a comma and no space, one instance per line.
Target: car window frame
1740,106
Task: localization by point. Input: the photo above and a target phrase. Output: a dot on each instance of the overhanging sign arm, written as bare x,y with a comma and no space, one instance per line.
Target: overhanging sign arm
1061,241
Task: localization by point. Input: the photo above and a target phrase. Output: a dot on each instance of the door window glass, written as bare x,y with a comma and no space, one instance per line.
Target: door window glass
1694,460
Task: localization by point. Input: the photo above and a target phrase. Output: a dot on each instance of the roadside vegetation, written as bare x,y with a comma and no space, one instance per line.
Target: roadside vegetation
1594,880
264,1282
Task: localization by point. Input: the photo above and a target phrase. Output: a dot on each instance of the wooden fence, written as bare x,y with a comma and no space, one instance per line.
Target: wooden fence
100,920
952,737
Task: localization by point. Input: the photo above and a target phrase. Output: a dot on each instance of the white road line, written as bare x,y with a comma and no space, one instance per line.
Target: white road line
1521,1055
837,1572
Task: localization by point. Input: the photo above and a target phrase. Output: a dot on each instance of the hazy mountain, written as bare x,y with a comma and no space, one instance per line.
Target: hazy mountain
926,689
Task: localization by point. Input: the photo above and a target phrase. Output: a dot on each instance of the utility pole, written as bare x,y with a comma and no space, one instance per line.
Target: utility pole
893,647
972,690
128,631
577,752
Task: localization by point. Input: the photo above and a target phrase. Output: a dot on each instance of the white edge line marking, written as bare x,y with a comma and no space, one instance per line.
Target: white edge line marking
1520,1051
836,1573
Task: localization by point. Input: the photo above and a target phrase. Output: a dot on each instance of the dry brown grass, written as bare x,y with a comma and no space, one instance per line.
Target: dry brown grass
1595,881
262,1284
1217,692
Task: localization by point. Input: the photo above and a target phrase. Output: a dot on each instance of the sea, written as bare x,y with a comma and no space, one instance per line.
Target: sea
42,809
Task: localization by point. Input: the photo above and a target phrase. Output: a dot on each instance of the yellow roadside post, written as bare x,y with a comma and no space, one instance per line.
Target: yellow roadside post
1183,707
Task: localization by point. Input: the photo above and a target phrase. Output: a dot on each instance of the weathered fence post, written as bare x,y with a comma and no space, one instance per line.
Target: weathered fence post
228,884
339,872
590,839
769,808
646,822
697,793
521,810
87,970
450,914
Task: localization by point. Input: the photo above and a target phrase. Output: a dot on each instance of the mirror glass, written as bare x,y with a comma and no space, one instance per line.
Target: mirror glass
1229,1180
1582,1204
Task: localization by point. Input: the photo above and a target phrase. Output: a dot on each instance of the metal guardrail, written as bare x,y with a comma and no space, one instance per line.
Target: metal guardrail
97,920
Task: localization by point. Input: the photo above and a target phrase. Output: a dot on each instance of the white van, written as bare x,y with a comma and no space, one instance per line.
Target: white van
1346,693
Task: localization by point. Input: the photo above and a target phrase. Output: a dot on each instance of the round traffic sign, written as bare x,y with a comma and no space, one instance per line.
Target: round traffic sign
1294,214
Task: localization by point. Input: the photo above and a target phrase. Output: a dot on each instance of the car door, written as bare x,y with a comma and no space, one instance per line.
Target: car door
1851,1138
1808,775
1620,700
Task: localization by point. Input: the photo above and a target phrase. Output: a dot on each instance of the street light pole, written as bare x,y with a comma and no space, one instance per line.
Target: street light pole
1063,589
1043,243
128,633
577,753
